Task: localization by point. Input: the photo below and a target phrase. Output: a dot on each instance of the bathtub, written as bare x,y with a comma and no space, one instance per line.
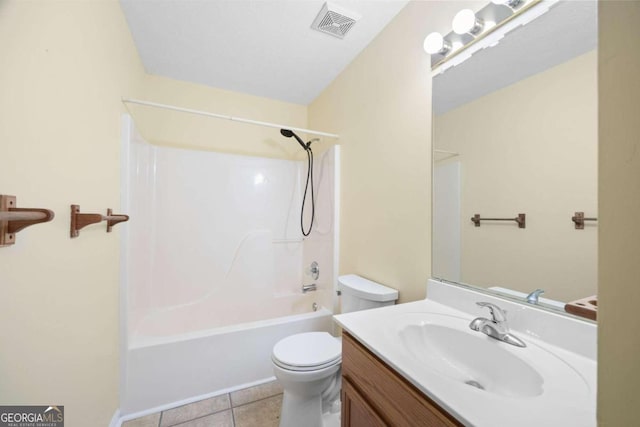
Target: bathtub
212,265
164,371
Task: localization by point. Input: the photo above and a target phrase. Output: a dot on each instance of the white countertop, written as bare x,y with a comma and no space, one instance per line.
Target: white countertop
567,399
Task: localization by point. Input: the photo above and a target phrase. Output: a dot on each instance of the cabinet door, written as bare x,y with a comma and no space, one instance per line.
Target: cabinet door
388,395
356,412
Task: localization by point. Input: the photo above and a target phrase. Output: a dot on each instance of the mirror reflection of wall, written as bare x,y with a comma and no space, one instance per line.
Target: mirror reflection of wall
519,121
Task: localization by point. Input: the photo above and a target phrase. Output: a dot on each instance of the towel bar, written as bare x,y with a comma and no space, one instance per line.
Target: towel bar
520,219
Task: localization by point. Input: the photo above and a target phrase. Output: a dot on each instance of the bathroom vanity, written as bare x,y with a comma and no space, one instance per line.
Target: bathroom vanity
419,364
373,394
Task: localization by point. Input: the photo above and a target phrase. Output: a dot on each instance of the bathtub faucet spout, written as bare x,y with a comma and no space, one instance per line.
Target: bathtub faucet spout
307,288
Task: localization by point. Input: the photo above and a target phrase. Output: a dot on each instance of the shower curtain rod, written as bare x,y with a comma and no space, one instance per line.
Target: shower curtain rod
221,116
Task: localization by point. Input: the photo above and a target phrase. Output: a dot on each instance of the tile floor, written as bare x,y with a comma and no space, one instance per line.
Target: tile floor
257,406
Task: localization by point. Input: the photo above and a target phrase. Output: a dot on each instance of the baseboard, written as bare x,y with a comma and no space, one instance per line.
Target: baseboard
117,422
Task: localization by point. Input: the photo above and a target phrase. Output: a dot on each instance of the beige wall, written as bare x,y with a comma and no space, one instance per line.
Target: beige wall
172,128
65,65
619,232
381,107
530,147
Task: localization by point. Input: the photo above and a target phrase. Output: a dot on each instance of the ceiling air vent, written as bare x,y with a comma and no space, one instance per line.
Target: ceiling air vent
334,20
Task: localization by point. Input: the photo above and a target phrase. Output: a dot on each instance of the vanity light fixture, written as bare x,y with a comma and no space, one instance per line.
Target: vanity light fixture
434,43
466,22
488,24
513,4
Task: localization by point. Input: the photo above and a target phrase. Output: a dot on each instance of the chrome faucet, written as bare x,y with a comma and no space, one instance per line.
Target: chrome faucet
532,298
307,288
496,327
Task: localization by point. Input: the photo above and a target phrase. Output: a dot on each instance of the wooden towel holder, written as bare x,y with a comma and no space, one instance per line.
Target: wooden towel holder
81,220
521,219
13,219
578,218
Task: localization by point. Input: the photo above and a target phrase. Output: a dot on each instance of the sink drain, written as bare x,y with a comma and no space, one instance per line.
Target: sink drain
475,384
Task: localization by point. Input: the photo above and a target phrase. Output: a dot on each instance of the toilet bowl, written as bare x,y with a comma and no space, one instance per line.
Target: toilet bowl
308,367
308,364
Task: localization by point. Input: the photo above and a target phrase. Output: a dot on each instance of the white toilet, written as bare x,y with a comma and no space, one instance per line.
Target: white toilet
308,364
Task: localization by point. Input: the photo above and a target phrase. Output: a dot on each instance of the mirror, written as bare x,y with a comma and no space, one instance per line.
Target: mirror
515,132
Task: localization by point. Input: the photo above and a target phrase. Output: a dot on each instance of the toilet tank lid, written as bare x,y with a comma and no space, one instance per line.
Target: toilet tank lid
364,288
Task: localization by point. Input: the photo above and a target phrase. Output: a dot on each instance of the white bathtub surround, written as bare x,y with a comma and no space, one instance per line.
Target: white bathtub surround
556,384
214,232
213,267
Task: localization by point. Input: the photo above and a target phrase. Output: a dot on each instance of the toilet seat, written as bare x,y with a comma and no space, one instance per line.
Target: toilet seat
308,351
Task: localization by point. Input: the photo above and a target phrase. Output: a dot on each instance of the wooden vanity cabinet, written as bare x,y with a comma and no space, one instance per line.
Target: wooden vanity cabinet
374,395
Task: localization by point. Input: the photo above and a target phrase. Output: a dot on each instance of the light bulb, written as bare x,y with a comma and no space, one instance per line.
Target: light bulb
465,22
435,43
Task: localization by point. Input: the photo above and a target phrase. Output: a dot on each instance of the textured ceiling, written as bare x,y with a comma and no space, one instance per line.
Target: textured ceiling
260,47
569,29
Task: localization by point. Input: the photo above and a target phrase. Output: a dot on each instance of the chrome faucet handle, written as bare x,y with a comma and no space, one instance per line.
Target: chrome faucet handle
498,315
532,298
313,270
496,327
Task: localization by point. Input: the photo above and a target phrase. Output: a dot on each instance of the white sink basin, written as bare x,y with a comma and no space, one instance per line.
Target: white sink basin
481,381
447,346
472,359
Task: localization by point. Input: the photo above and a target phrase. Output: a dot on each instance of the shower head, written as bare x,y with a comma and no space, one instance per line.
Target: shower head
289,133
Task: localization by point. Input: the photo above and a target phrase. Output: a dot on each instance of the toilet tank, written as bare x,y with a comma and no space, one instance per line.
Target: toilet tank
359,293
